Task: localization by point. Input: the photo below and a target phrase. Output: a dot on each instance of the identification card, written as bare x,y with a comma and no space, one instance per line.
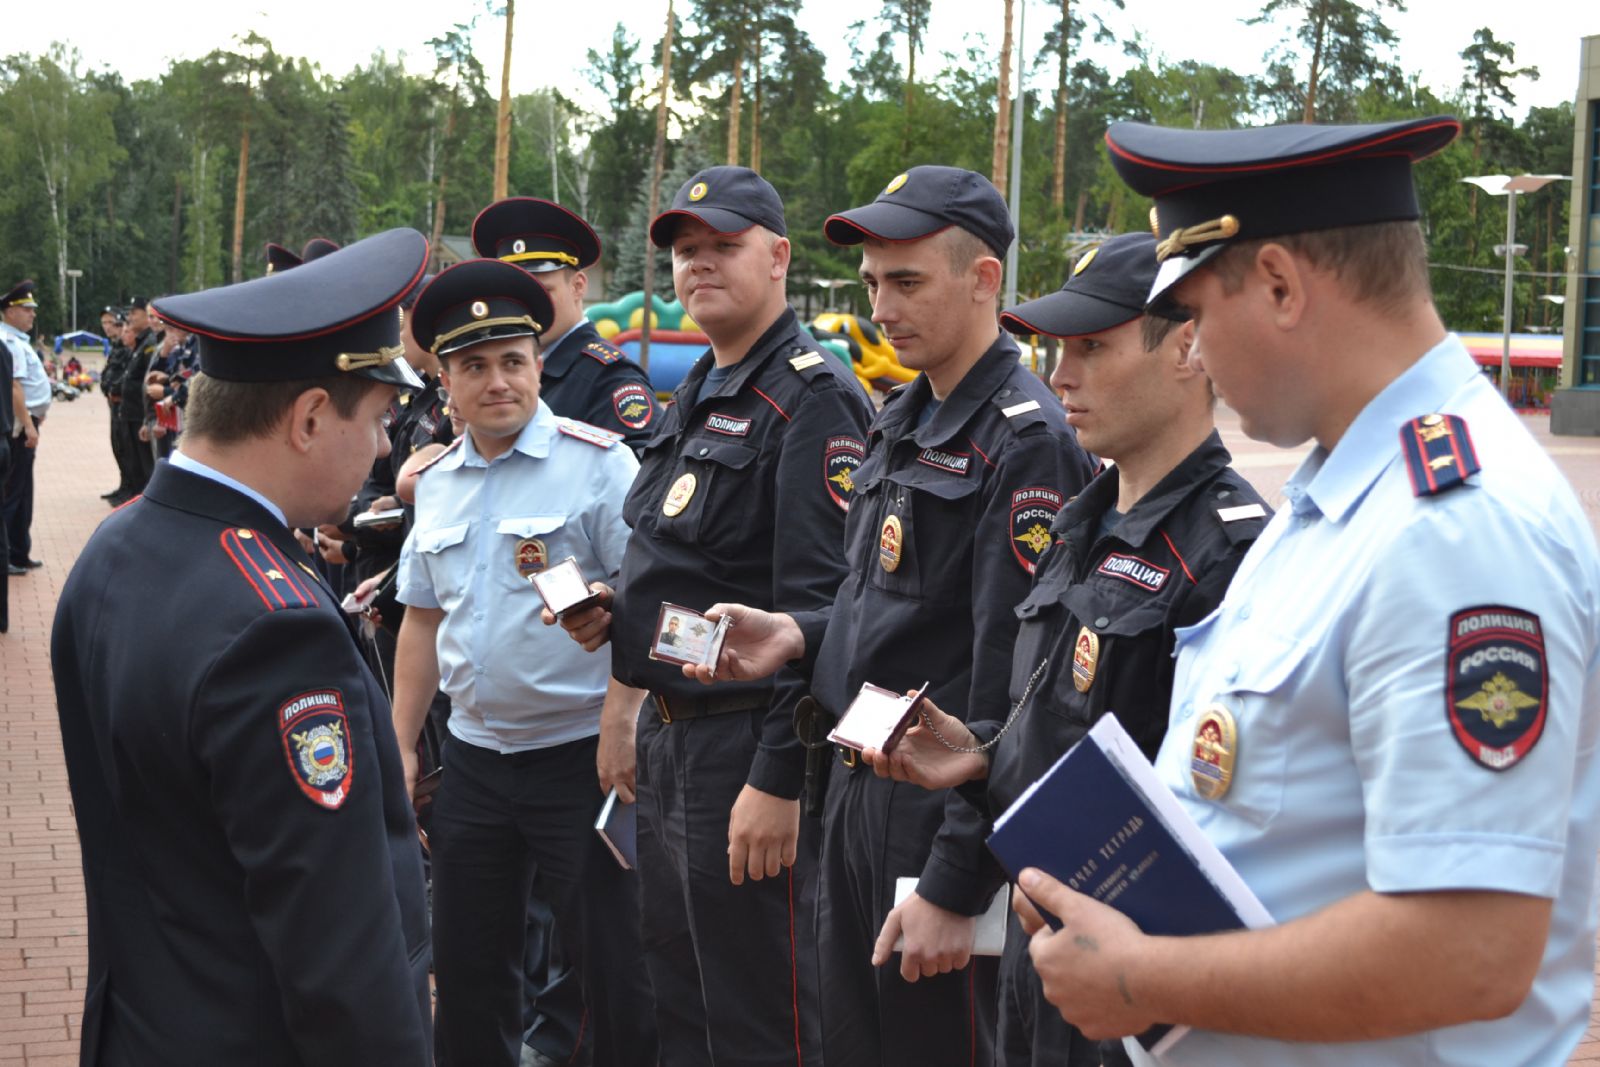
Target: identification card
877,718
684,636
563,587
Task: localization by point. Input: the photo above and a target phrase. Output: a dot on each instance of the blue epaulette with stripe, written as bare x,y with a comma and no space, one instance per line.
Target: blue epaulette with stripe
1438,452
267,571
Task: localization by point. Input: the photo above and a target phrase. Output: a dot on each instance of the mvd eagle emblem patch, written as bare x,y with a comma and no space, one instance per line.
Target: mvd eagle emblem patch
1498,692
1032,512
840,460
634,405
316,744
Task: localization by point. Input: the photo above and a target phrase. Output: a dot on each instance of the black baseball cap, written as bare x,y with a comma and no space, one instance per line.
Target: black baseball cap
923,201
1212,187
338,314
727,199
1107,287
479,300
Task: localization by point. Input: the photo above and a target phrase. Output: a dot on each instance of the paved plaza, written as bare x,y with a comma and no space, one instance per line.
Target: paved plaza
43,944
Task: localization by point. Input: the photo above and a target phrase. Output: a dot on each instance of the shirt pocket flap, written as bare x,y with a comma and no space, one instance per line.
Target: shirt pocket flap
1041,597
734,455
441,538
1272,659
1123,618
932,480
531,525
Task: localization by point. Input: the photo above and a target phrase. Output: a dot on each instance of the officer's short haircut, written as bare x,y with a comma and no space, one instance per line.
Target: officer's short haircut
965,248
227,413
1382,263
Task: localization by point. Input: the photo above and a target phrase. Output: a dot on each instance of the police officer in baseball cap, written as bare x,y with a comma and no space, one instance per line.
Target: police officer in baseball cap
733,503
585,377
244,796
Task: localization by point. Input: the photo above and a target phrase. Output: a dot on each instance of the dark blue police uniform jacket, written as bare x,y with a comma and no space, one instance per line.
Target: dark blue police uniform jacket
585,378
250,856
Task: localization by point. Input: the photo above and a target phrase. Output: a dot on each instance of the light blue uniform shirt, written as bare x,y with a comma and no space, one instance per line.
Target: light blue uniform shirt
1331,651
27,368
513,682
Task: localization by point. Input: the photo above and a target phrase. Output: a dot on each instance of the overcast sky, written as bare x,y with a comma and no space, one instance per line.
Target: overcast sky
553,39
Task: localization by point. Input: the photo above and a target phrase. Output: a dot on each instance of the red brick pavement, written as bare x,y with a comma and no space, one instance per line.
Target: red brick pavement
42,929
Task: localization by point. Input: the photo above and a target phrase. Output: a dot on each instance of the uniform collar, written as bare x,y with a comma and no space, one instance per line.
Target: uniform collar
975,389
744,370
12,331
561,352
533,441
1150,511
1334,482
185,462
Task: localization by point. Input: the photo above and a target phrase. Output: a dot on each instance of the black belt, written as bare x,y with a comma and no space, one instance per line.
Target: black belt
681,709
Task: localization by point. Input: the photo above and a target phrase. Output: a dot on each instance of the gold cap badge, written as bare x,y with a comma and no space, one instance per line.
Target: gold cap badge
698,192
895,183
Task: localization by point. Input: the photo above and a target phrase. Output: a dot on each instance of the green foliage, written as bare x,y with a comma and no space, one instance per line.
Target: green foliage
144,199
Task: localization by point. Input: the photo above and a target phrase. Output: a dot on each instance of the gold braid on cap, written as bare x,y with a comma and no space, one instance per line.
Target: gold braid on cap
522,257
362,360
480,324
1186,237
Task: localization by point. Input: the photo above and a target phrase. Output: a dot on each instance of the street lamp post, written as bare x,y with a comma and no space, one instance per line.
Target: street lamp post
74,275
1511,188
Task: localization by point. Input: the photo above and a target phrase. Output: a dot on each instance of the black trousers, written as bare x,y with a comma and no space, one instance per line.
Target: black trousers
506,828
126,478
876,831
733,967
140,461
5,579
18,507
1032,1032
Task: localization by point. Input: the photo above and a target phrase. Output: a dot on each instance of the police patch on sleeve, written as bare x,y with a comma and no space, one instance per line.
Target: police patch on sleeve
840,461
1032,512
316,744
1498,691
634,405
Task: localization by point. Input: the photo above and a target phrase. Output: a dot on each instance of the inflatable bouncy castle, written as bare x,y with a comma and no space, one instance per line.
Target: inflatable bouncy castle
676,341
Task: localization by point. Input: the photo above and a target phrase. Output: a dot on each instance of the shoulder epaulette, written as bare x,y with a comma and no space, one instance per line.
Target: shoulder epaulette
267,571
449,448
592,435
1438,452
599,350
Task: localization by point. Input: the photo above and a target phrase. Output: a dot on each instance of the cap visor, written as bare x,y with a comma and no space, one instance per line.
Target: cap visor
882,221
395,372
1067,314
719,219
1173,271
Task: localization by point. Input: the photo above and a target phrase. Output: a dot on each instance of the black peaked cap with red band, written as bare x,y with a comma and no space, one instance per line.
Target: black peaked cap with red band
537,235
280,259
479,300
1215,186
338,314
318,247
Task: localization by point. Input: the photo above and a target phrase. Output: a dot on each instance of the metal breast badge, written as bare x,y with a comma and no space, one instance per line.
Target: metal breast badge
1216,746
679,495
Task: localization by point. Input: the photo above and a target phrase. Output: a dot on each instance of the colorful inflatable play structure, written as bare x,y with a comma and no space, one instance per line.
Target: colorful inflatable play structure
676,341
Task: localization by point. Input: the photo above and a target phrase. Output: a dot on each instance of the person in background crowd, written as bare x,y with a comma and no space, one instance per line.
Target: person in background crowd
112,325
30,400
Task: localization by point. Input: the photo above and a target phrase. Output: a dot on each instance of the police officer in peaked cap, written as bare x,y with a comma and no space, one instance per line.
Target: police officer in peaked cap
1387,726
585,377
250,857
